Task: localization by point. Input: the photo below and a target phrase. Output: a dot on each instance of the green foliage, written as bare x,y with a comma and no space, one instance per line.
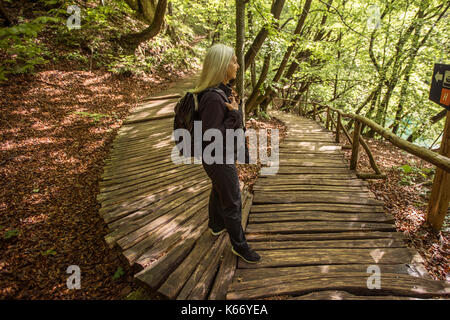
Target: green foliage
94,116
49,252
10,234
138,294
119,273
21,50
264,115
411,174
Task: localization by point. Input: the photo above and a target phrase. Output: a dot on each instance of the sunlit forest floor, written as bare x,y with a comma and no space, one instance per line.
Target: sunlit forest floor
57,128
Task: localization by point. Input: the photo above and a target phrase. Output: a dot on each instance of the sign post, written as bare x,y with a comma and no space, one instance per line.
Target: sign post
440,85
440,193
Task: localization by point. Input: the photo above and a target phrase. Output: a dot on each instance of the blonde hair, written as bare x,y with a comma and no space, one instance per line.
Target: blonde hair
215,67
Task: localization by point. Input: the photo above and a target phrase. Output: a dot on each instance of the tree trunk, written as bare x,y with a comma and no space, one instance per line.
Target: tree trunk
253,64
131,41
303,54
240,40
277,6
297,30
4,14
252,100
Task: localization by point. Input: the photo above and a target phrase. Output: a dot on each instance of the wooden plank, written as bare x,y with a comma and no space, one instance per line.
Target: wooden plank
201,289
302,173
319,216
308,156
152,244
164,164
128,207
292,188
322,172
364,243
337,207
149,226
348,235
297,197
245,275
135,187
131,171
154,274
319,193
210,258
279,181
298,163
396,284
317,256
317,148
143,176
175,282
160,207
285,172
317,226
343,295
192,230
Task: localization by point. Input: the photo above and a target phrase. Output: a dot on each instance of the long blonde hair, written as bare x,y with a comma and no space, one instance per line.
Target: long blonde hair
215,66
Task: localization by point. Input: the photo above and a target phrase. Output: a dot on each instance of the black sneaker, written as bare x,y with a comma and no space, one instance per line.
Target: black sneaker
247,254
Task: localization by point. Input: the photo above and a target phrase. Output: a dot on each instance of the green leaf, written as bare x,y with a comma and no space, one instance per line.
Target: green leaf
10,234
405,168
119,272
35,190
48,252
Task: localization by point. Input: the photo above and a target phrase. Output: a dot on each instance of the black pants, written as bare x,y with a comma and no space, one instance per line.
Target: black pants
225,205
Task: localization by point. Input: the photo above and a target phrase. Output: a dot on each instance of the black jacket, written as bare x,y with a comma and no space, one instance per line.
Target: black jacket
215,114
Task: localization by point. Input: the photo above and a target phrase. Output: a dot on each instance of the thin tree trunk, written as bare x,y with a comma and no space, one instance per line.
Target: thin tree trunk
4,14
297,30
253,64
251,53
132,40
240,40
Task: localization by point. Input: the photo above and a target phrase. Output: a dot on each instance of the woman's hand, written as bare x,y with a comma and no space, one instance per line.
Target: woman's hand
233,105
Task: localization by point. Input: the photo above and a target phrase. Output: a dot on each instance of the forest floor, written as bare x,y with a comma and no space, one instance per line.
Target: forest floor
57,128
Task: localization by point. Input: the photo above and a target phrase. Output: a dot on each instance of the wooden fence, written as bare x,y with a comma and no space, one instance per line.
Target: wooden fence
440,195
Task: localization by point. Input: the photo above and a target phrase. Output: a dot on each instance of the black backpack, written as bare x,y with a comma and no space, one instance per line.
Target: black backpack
186,112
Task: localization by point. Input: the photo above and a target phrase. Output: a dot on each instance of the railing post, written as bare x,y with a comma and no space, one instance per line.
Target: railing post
338,126
440,193
355,145
328,118
315,111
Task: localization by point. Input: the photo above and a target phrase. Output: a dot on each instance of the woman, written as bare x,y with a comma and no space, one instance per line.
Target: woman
225,206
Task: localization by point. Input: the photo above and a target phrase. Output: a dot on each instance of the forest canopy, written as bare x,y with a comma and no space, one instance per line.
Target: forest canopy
373,58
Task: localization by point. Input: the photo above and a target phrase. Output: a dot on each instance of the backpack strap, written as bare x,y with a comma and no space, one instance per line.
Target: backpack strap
221,93
195,101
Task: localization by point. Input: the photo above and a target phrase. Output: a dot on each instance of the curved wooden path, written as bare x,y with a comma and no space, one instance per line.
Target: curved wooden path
317,227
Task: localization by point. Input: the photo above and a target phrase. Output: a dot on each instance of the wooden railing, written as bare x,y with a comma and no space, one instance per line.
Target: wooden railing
440,194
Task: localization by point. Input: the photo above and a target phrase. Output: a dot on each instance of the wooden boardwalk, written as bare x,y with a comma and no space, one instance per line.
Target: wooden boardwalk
317,227
321,233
